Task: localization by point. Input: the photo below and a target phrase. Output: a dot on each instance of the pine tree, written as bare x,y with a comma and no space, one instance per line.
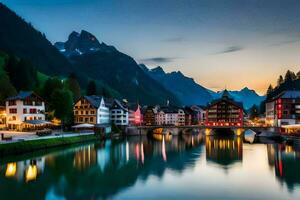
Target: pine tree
62,105
73,85
91,88
270,89
280,80
298,75
289,76
49,87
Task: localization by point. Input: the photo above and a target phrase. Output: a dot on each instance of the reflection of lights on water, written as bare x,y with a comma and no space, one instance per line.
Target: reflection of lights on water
163,149
11,169
192,140
142,153
31,173
137,151
127,151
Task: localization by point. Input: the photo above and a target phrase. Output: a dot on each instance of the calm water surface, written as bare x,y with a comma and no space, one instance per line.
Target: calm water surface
189,167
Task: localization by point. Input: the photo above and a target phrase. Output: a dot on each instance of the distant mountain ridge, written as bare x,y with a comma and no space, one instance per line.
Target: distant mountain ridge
189,92
82,43
99,61
185,88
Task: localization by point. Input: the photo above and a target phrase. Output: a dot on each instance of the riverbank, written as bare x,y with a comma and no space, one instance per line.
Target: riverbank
26,146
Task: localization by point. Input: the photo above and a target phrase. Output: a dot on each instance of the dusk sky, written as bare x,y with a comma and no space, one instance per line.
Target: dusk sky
218,43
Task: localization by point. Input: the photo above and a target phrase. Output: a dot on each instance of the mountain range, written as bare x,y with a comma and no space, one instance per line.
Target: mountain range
120,74
189,92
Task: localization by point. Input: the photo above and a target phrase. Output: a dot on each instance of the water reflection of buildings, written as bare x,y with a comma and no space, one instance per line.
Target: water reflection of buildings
24,170
224,151
99,171
85,158
286,160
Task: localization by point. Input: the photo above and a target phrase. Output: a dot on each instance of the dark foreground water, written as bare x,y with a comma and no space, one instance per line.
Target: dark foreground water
190,167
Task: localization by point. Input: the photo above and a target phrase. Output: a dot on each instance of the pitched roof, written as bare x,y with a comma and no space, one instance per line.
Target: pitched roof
289,94
22,95
227,99
119,105
94,100
169,109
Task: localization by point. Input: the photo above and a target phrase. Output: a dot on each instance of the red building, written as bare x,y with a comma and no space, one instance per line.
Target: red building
224,112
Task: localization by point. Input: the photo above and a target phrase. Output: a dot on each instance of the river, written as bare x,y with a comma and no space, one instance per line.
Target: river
181,167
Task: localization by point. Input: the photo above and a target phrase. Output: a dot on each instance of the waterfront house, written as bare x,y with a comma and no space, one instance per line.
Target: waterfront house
224,112
2,116
91,110
135,114
283,109
188,112
149,116
25,110
170,115
119,113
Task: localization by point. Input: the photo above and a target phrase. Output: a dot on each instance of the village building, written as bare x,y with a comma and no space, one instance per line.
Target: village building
283,109
135,115
91,110
149,115
224,112
2,117
119,113
25,111
170,115
198,114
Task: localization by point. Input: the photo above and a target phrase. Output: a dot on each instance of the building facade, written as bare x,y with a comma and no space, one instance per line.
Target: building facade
24,109
224,112
119,113
91,110
149,115
135,115
283,109
170,116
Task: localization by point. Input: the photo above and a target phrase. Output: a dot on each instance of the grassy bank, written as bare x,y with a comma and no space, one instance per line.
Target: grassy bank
33,145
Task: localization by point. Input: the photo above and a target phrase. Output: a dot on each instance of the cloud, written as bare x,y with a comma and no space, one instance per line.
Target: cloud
174,40
158,60
284,43
231,49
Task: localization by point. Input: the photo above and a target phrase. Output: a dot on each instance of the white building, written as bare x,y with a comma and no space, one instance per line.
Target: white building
24,110
170,116
91,110
119,113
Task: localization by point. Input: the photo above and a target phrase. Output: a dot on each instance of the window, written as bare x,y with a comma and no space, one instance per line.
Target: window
86,112
91,119
32,111
12,110
76,112
24,110
80,119
86,119
12,103
28,102
92,112
14,118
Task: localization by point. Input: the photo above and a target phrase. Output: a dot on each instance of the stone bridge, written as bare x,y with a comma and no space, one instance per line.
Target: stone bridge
190,129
